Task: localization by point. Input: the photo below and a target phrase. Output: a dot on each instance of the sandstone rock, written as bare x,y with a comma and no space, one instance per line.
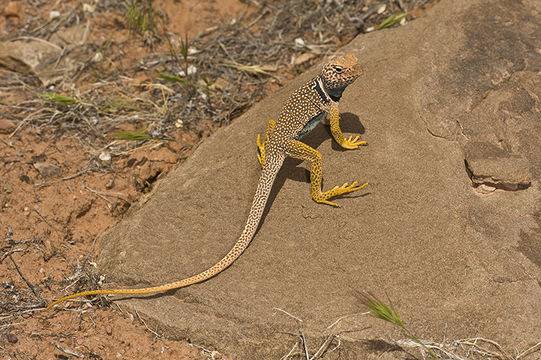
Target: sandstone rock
34,55
455,265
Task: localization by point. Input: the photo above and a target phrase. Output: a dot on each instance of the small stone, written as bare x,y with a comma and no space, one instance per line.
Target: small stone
48,170
12,338
89,8
110,183
54,14
25,178
302,58
13,9
98,57
219,84
485,189
192,70
105,157
193,51
7,126
138,80
108,330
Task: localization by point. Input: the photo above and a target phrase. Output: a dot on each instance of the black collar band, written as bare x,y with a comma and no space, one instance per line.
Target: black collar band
335,94
320,89
334,97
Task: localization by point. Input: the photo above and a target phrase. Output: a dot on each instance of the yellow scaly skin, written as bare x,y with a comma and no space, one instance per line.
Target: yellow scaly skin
304,109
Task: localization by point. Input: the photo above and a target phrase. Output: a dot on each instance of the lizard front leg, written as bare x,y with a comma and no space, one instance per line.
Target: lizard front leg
334,120
263,146
300,150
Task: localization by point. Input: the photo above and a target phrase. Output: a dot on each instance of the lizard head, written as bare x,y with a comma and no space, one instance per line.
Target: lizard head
340,72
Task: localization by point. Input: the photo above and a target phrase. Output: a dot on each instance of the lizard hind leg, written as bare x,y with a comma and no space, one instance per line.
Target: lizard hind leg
300,150
262,147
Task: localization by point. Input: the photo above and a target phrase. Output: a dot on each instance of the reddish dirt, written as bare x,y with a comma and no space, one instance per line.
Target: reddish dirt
65,213
52,210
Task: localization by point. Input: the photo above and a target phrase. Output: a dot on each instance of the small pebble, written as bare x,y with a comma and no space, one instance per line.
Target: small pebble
13,9
108,330
6,126
105,157
54,14
48,170
12,338
485,189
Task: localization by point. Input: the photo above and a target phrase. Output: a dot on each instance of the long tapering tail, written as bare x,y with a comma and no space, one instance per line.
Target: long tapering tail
273,164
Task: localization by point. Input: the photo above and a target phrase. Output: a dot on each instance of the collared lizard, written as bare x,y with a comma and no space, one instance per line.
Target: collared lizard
306,107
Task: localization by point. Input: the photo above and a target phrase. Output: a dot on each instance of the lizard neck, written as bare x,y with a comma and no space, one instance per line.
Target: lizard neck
326,92
335,94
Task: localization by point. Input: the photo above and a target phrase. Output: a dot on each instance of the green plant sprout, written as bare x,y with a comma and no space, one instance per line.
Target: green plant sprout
140,17
380,310
59,99
391,20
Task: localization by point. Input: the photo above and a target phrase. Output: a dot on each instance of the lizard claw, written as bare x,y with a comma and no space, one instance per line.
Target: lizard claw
352,143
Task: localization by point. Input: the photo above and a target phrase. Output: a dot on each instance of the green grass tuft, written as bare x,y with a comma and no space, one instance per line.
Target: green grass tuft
132,135
380,310
58,99
140,16
171,77
391,20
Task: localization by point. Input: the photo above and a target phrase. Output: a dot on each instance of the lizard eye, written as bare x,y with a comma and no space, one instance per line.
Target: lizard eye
339,69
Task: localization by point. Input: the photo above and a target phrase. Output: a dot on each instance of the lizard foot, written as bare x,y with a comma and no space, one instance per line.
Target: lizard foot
350,143
337,190
262,146
261,151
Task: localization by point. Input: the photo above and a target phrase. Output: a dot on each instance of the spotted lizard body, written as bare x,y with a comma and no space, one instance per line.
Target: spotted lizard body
306,107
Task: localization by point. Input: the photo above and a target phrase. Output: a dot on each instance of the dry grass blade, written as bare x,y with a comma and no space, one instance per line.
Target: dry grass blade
529,351
251,69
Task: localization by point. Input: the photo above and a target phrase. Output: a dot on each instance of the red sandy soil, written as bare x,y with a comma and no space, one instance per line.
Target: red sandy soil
62,210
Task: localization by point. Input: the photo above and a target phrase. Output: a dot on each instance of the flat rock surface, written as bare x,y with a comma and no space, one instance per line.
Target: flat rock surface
455,261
